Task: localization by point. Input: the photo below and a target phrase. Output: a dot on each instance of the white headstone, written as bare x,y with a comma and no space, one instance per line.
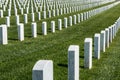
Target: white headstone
53,13
78,18
112,31
110,34
36,9
25,18
70,9
1,13
53,26
9,12
81,16
87,15
73,62
16,12
27,10
84,15
102,41
70,20
67,10
3,35
115,28
88,53
4,8
44,14
97,46
43,70
17,20
65,22
21,32
61,11
64,10
33,17
44,28
59,24
32,9
49,14
40,8
8,21
57,12
39,16
107,37
44,8
34,30
74,19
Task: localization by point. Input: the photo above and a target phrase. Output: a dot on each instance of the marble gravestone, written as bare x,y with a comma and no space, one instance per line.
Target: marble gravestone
88,53
73,62
34,29
21,32
44,28
97,46
3,35
43,70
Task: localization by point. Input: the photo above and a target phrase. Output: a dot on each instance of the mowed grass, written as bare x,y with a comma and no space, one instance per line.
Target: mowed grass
18,58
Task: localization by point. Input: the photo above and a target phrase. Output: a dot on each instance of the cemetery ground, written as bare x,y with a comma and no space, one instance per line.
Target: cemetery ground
18,58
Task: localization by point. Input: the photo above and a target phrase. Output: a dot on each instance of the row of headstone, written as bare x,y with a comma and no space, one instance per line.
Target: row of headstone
9,11
101,42
61,4
78,18
65,20
65,9
20,28
57,5
54,11
82,16
93,12
43,69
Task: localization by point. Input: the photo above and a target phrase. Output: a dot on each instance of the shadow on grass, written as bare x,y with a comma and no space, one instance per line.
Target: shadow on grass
62,65
82,50
39,33
28,36
66,66
82,57
13,39
82,67
49,29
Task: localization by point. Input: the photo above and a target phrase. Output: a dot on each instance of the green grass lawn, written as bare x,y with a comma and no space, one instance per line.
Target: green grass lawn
18,58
